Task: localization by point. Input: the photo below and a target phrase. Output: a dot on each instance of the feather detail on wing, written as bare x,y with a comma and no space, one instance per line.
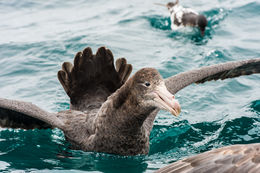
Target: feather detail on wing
235,158
24,115
213,72
93,78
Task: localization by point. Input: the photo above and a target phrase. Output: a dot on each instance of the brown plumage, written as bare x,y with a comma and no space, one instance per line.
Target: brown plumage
213,72
235,158
109,112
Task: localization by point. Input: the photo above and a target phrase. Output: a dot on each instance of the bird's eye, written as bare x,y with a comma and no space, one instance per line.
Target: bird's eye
147,84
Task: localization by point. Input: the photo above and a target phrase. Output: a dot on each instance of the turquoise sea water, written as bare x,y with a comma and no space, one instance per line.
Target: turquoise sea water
37,36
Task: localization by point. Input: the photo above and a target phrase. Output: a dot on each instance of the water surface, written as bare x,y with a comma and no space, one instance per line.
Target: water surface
36,37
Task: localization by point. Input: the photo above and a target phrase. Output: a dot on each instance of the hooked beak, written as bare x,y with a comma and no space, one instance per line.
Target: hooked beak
167,101
160,4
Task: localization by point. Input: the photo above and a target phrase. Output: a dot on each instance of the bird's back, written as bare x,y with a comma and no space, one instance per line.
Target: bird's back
88,83
182,17
79,126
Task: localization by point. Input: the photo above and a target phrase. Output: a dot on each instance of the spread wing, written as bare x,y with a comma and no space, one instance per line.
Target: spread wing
213,72
18,114
93,78
235,158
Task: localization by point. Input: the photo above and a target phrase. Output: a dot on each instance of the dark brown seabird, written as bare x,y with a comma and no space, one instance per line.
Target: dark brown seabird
109,112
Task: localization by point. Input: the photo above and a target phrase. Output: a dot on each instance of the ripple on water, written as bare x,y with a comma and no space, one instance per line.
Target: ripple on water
160,22
255,106
236,131
213,56
4,165
36,37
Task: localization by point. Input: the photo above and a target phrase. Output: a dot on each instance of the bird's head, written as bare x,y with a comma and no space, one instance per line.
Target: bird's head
150,91
171,4
202,23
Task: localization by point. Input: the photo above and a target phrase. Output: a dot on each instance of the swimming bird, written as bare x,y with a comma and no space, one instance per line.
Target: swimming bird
182,17
234,158
109,112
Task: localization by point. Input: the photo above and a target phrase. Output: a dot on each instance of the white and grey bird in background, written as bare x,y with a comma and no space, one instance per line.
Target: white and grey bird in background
182,17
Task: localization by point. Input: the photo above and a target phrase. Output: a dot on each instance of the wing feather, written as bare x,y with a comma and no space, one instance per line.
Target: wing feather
19,114
213,72
93,78
235,158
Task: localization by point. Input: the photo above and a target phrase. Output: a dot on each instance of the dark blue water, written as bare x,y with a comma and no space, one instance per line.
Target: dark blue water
36,37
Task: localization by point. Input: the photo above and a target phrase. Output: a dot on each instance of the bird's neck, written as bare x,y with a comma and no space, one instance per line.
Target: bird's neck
126,112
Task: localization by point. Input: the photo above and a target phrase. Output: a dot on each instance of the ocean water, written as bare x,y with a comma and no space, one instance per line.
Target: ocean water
37,36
